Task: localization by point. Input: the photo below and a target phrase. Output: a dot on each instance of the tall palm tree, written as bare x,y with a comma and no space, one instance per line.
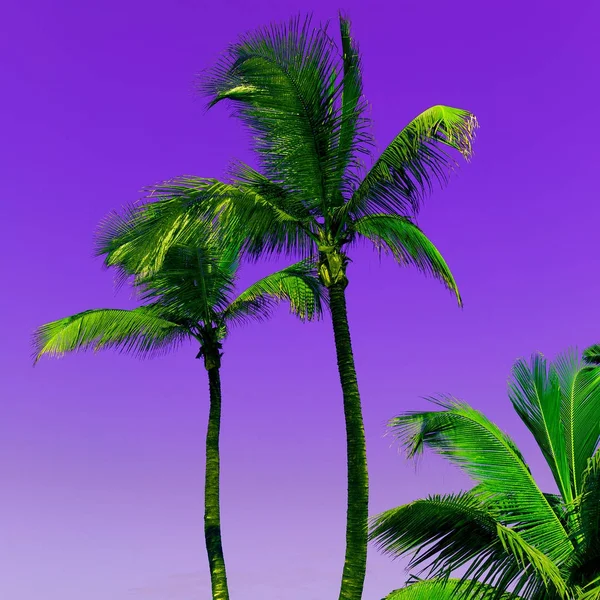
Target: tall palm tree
191,297
509,532
302,100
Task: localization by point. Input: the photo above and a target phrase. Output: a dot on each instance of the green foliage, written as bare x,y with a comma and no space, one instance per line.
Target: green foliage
408,245
140,331
505,529
444,589
302,99
191,296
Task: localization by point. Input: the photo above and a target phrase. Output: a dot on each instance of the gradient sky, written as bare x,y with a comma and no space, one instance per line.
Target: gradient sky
101,456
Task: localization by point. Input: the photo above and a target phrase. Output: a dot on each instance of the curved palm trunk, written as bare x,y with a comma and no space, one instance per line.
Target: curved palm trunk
355,563
212,511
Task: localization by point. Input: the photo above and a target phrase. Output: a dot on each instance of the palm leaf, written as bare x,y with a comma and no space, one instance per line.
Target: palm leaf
452,530
195,281
535,394
440,589
586,565
298,284
405,172
591,355
141,331
354,137
580,410
469,440
408,244
278,79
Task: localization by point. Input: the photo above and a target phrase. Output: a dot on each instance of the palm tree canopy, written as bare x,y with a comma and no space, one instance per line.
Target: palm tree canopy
301,98
191,296
505,527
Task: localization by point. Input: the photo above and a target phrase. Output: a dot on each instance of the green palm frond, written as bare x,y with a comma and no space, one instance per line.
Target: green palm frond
298,284
580,407
354,135
141,331
278,79
445,589
456,527
195,281
408,244
406,170
591,591
472,442
138,240
587,565
450,531
535,394
591,355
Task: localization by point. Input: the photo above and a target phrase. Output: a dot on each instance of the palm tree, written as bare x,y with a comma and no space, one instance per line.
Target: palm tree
191,297
509,532
302,101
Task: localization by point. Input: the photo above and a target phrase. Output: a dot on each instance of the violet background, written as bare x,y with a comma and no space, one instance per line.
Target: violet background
101,457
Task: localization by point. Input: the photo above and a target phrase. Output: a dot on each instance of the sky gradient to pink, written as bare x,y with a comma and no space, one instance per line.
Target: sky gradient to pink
101,456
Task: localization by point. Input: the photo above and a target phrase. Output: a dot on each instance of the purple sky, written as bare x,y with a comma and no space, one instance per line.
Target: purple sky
101,457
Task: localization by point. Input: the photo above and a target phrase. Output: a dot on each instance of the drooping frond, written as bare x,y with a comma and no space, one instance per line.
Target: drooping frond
444,589
591,355
408,244
141,331
405,172
297,284
469,440
535,394
278,79
448,532
580,410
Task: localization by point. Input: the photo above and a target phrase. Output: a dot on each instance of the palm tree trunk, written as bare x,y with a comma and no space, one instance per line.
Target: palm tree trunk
355,563
212,511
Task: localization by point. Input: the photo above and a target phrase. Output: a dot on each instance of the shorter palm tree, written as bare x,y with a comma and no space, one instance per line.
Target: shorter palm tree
509,532
191,297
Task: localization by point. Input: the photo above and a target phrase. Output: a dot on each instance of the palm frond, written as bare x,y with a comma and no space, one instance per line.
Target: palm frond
408,244
138,240
591,355
485,453
405,172
141,331
444,589
278,79
354,135
580,407
448,532
297,284
195,281
587,565
535,394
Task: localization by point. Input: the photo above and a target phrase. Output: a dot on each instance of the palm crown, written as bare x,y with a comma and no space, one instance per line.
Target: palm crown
192,296
303,104
509,531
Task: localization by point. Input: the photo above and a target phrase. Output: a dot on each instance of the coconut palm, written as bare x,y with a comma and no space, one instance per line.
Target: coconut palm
509,532
190,298
302,100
